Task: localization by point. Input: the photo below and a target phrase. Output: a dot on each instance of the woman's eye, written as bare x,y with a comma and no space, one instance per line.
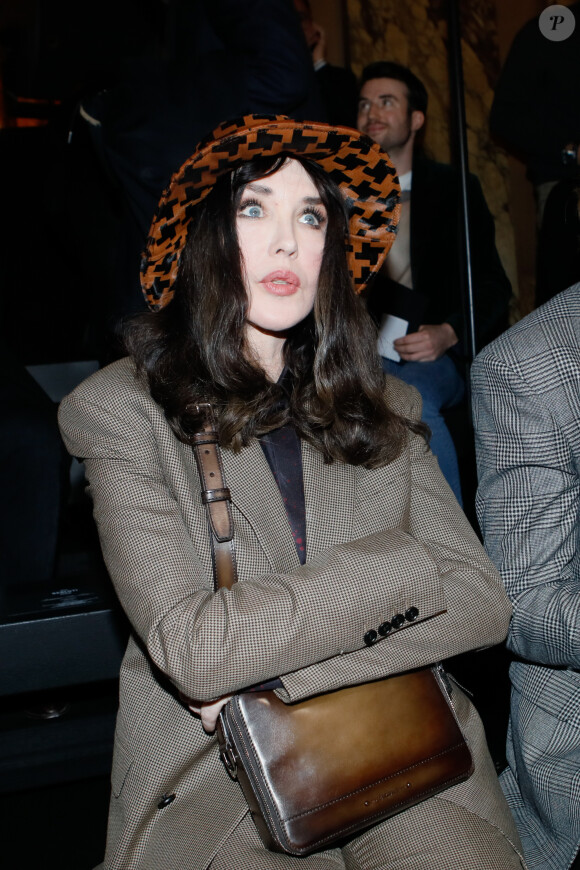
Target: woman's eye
312,218
252,210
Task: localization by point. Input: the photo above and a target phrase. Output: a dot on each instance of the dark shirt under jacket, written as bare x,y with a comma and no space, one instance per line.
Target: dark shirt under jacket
283,452
435,257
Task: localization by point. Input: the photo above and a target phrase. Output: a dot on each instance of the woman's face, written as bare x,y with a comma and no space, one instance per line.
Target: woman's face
281,226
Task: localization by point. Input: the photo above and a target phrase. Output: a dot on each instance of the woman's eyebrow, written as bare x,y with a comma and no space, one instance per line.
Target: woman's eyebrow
259,188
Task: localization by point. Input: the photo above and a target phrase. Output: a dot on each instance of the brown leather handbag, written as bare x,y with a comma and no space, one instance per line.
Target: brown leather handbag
316,771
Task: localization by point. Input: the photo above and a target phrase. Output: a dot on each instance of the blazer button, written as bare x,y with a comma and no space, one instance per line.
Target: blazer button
411,614
166,799
370,637
397,620
384,628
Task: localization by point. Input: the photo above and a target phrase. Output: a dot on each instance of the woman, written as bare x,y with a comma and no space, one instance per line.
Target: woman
341,515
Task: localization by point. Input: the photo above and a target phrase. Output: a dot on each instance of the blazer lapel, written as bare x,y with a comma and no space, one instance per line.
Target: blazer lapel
329,491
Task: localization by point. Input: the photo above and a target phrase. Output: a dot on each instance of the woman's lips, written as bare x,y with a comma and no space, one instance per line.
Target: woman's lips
281,283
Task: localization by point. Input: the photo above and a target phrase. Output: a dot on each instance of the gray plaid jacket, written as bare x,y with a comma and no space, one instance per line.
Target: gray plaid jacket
378,542
526,399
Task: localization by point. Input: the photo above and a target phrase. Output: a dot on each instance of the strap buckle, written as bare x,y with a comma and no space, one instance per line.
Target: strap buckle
209,496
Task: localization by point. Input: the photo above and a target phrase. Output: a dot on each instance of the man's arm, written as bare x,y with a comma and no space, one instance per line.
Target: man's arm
435,224
527,504
491,286
491,290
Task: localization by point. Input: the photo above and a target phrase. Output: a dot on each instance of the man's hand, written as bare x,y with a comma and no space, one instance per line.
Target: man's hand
427,344
208,711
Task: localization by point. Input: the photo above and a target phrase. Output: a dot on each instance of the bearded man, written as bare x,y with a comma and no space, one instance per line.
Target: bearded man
416,300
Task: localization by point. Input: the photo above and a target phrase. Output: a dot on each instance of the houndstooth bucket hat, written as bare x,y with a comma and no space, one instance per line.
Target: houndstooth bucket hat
362,171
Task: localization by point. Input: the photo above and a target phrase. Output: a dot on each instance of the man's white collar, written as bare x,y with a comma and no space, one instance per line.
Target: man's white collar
405,180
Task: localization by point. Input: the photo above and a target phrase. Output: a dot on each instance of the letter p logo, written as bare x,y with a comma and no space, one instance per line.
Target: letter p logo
557,23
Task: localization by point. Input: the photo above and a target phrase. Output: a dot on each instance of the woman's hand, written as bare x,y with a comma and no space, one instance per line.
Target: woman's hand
208,711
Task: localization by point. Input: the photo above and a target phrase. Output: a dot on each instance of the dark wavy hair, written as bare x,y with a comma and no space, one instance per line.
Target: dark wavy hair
194,350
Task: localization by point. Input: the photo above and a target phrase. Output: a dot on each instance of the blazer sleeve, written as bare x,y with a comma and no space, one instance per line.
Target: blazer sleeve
477,610
527,503
281,622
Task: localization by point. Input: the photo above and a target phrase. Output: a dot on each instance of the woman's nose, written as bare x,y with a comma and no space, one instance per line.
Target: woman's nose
284,239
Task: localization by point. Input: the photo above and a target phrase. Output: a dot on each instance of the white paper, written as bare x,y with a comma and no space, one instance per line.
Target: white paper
391,328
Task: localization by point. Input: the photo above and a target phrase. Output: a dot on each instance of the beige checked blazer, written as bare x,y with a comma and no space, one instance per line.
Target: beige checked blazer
378,542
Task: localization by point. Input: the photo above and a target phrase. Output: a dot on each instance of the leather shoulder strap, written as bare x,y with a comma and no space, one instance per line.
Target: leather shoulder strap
217,499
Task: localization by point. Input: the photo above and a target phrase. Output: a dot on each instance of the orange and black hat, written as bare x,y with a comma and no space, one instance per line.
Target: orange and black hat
362,171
